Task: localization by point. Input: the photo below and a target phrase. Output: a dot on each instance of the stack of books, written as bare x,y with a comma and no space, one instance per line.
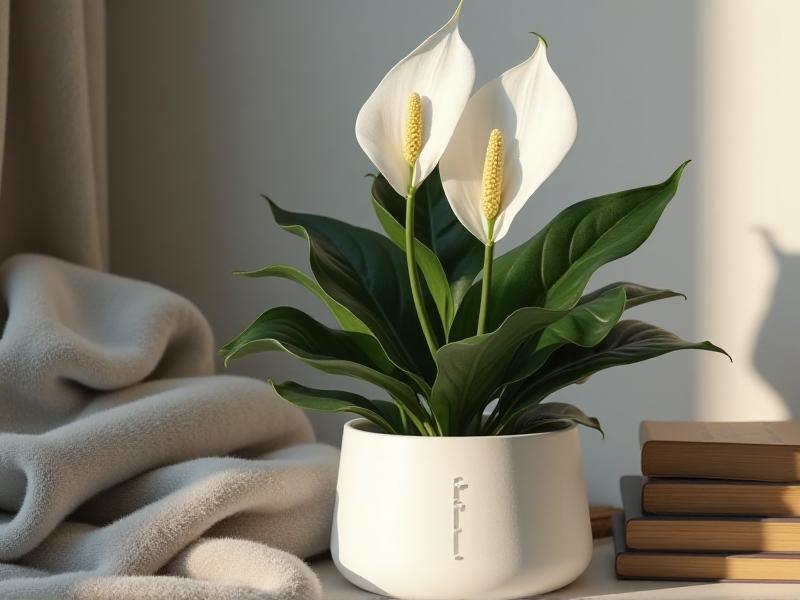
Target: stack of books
716,501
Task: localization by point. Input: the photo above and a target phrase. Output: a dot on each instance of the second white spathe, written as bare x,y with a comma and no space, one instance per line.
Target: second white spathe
442,71
531,107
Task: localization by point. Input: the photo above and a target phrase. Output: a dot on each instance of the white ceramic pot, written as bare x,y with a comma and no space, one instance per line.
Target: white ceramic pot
460,517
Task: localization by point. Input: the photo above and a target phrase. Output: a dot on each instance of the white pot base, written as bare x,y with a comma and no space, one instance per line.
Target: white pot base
487,518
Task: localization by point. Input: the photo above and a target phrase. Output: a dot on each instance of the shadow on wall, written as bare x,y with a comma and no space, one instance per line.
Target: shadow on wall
776,357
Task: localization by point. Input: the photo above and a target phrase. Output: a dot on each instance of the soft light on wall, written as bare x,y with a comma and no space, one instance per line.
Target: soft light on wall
749,227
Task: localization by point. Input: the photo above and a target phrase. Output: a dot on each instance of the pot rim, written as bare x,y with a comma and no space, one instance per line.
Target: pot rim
357,426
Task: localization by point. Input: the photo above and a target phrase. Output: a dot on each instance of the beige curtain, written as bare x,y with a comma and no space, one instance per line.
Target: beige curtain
53,191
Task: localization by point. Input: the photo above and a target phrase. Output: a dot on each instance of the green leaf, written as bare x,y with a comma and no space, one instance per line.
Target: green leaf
635,293
337,352
553,268
384,414
542,416
471,370
436,226
365,272
585,325
346,319
628,342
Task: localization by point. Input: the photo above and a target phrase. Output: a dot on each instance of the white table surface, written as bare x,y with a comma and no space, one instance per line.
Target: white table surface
599,582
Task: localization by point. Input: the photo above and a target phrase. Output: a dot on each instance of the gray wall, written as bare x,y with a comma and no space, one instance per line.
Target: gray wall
212,103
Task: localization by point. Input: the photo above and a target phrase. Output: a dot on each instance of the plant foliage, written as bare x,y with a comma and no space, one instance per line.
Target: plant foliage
543,331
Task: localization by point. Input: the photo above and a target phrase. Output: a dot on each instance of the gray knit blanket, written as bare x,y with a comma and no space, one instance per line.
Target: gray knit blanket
127,469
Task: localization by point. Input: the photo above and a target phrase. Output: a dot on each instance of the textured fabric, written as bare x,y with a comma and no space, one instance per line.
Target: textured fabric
52,129
122,456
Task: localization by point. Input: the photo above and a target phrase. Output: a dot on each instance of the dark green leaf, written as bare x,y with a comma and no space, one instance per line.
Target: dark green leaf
436,226
365,272
553,268
471,370
635,293
629,342
585,325
346,319
543,416
384,414
337,352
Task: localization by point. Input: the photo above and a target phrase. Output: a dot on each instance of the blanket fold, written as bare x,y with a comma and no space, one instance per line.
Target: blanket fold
127,470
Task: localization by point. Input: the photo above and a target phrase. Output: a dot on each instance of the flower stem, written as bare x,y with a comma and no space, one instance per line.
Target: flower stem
413,279
488,253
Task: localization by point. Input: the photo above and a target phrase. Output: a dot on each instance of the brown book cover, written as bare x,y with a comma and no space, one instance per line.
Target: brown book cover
703,533
756,451
761,567
719,497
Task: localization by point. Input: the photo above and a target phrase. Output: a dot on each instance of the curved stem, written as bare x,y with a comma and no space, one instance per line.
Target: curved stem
413,279
403,419
499,427
488,254
421,426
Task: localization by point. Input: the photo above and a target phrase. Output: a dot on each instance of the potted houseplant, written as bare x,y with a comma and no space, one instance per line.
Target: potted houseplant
464,481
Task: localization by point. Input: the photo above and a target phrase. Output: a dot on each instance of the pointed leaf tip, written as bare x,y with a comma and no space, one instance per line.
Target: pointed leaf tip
711,347
269,200
677,174
715,348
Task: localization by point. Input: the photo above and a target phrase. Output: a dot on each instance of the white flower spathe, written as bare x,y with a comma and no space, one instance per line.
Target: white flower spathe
534,112
441,70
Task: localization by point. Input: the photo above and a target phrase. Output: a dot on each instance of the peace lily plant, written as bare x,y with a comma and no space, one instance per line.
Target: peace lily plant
427,313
